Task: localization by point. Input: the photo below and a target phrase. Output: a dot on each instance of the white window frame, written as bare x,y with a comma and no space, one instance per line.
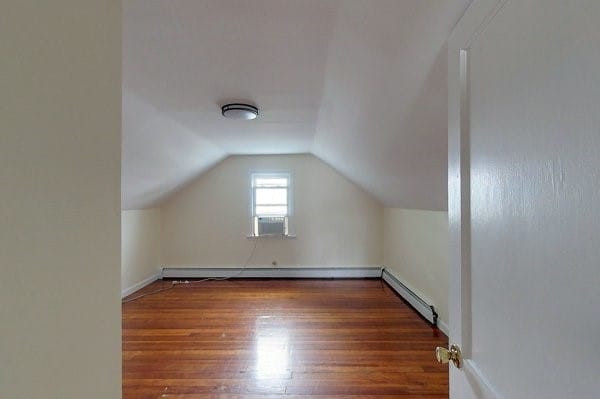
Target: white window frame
252,194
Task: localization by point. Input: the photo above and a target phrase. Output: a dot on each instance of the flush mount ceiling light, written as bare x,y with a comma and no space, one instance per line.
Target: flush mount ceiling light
239,111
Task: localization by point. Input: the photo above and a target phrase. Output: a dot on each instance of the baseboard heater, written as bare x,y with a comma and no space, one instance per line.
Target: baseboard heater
269,272
425,309
420,305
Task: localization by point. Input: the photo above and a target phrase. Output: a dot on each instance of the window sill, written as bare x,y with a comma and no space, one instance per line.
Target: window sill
271,236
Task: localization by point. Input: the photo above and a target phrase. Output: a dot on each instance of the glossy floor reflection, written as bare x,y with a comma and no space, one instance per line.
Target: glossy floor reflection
272,354
279,339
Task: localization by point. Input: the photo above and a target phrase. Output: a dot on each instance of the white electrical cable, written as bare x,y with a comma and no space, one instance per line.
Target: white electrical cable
148,293
187,283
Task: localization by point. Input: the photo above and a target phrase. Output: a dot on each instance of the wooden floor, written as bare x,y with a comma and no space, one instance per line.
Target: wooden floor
279,339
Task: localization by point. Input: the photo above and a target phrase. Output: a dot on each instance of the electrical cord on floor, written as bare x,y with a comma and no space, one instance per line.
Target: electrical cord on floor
187,283
127,300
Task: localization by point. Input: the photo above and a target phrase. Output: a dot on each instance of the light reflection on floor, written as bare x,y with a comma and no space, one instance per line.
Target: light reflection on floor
273,350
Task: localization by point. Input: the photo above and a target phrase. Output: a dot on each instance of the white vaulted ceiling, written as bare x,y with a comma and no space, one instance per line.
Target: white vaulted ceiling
360,84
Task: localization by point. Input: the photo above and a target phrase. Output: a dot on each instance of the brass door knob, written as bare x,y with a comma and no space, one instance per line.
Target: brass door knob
444,355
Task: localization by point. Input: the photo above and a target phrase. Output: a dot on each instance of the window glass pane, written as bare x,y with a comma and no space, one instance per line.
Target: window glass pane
271,210
270,182
271,196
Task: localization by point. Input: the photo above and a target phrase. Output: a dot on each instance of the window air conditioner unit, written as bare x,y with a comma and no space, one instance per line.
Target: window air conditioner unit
271,225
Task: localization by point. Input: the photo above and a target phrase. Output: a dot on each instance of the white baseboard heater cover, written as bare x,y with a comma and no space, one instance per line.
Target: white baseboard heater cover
420,305
426,310
269,272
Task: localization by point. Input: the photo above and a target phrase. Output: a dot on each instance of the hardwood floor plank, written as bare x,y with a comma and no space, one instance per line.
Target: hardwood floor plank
340,339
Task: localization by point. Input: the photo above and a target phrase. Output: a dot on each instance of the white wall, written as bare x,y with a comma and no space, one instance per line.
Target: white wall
140,247
336,222
60,149
416,252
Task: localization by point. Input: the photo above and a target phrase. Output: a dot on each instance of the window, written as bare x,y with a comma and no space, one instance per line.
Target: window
271,204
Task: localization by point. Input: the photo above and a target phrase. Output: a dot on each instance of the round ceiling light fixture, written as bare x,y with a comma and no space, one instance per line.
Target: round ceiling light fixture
239,111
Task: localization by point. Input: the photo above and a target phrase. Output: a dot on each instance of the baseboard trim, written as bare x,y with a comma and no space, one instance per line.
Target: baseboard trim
420,305
425,309
279,272
444,327
140,285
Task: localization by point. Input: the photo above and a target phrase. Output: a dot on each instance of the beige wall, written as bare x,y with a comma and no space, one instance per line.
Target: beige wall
140,246
416,252
60,149
336,223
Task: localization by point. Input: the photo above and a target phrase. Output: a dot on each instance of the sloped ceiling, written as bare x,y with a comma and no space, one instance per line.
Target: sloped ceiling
360,84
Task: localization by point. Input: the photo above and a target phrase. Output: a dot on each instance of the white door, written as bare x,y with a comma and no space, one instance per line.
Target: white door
524,199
